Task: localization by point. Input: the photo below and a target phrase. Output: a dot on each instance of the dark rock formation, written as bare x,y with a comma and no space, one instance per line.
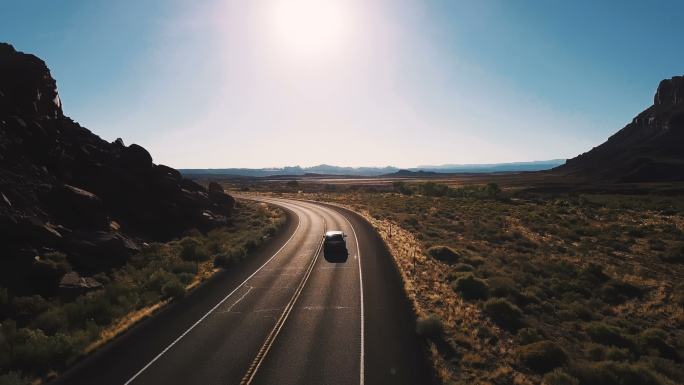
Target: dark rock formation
649,149
63,188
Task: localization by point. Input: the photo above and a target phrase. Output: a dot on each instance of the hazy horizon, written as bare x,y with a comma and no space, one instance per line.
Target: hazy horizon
374,166
229,84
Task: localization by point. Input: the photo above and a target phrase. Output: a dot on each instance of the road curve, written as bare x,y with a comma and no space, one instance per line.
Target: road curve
286,316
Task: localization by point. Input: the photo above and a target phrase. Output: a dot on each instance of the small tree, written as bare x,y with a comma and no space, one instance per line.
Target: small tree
8,330
430,327
402,188
492,190
173,289
191,250
470,287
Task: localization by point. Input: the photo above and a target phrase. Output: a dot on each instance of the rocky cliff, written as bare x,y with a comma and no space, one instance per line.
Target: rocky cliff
649,149
65,191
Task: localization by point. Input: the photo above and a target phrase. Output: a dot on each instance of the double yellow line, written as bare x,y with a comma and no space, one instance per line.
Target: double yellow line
266,346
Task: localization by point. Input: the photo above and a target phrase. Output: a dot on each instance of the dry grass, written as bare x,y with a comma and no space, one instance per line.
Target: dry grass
124,324
206,271
541,248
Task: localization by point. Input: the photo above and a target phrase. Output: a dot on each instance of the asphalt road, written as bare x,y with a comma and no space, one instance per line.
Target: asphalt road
286,316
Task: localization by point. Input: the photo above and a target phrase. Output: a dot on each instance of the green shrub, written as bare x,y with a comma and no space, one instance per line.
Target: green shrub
13,378
559,377
671,369
656,340
443,253
230,257
183,267
36,352
471,288
593,273
191,250
614,353
173,289
595,352
94,306
159,278
674,255
616,292
678,295
432,189
252,244
26,308
501,286
492,190
8,335
582,311
186,278
430,327
617,373
504,314
463,267
222,260
271,230
4,297
402,188
608,335
52,320
528,335
474,260
542,356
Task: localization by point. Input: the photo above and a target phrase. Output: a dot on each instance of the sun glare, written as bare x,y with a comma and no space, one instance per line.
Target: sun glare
310,29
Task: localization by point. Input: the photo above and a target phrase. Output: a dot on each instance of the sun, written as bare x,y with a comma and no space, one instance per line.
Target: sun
308,29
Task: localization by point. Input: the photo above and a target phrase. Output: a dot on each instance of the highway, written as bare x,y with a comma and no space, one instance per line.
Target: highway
286,316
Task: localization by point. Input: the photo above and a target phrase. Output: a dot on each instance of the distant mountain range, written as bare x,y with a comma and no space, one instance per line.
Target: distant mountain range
325,169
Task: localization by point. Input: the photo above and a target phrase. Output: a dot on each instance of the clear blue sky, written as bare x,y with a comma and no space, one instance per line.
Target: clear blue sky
228,83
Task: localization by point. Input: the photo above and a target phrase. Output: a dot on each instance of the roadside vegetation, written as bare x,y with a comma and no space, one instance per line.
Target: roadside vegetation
39,337
518,287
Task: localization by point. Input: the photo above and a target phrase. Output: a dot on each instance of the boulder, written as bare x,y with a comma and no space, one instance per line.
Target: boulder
78,208
670,91
187,184
100,250
72,285
168,172
27,87
222,202
33,230
136,158
46,275
215,188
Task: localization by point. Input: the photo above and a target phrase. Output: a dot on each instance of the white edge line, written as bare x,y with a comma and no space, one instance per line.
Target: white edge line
358,253
212,309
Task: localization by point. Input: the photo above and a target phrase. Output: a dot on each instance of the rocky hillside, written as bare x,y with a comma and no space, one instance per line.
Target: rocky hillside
649,149
65,191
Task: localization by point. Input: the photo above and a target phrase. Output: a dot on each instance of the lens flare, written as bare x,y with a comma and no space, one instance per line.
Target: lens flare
310,29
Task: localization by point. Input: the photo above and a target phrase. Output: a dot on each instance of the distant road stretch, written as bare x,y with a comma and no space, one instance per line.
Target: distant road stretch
285,316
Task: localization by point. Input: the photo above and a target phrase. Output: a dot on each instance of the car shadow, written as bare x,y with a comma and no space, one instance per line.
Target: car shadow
336,256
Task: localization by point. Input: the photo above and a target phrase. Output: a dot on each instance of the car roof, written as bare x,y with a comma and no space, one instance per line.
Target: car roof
333,233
